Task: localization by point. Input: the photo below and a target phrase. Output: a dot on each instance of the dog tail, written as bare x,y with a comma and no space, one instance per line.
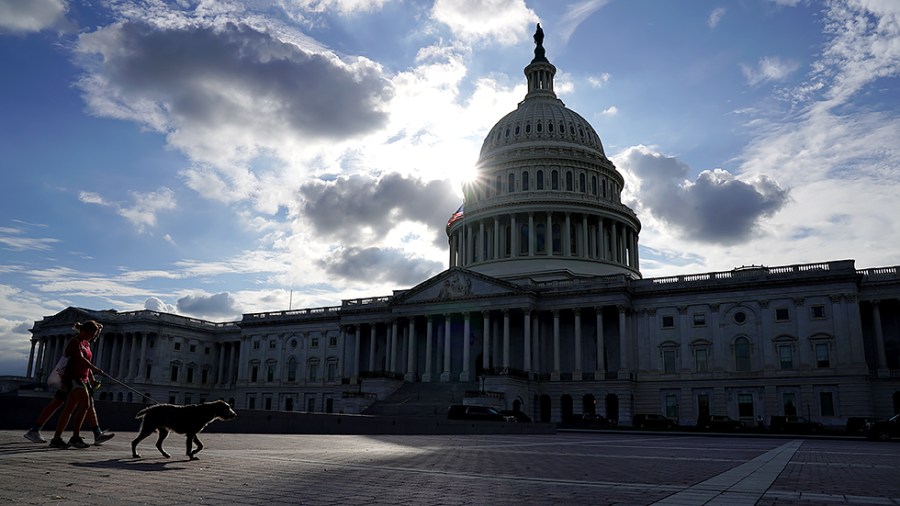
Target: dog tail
140,414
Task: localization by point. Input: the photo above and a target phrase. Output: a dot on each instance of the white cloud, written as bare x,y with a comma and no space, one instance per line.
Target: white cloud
23,16
503,21
768,69
576,14
610,111
715,17
13,239
144,209
598,81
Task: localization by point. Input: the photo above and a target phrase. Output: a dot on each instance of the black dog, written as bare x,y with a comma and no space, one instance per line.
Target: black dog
188,420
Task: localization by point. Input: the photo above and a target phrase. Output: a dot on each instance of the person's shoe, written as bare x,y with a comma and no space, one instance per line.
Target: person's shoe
35,436
102,438
77,442
57,442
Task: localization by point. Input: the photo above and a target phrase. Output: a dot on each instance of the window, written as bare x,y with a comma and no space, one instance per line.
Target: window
255,345
523,239
782,315
669,357
314,342
187,399
332,372
292,369
272,344
745,405
177,346
822,355
557,239
313,371
332,341
593,185
204,376
701,360
190,375
568,181
789,404
742,354
786,356
554,180
817,312
672,406
173,376
270,373
193,348
699,320
668,322
254,372
147,371
206,350
525,181
539,179
498,182
311,405
267,403
511,183
826,403
251,401
740,317
289,404
582,187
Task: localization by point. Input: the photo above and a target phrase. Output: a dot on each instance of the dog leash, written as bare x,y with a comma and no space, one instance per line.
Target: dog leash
132,389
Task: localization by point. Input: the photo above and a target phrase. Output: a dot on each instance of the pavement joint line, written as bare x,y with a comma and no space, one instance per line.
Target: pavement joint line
738,485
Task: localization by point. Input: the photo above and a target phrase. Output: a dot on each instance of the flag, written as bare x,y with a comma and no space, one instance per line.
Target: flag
456,216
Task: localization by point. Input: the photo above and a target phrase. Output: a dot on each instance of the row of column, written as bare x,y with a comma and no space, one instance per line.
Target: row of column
396,336
600,239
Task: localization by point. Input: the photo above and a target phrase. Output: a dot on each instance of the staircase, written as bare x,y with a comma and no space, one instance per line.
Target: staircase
421,400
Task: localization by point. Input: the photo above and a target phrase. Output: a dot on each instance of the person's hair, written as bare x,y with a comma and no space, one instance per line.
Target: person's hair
89,326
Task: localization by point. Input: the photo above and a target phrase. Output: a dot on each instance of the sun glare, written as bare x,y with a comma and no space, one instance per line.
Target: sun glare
464,176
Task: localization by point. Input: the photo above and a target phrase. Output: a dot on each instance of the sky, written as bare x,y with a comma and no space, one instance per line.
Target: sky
217,158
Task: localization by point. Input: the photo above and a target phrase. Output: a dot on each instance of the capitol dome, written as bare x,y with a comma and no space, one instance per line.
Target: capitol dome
547,201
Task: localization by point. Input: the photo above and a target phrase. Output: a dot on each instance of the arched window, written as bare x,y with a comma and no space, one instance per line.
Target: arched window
292,369
497,185
594,185
582,186
603,188
539,238
540,179
525,181
568,181
557,243
554,180
523,239
742,354
511,183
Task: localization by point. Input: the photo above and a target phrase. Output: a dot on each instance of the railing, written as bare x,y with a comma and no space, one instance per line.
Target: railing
381,374
755,271
474,394
294,313
362,395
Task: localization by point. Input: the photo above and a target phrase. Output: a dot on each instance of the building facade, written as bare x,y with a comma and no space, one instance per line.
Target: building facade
542,309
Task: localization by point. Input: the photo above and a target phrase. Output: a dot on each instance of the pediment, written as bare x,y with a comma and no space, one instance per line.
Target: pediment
458,284
68,317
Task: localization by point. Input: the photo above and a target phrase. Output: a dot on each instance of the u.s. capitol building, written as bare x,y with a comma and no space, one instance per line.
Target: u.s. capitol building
543,309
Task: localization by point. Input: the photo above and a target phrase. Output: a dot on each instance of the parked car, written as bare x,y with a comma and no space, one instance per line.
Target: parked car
884,430
484,413
795,425
858,425
721,423
517,416
643,421
591,421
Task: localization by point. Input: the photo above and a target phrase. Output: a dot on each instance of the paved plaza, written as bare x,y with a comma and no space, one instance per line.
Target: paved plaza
629,468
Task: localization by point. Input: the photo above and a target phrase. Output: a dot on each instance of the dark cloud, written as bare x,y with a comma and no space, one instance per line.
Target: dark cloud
212,306
340,208
715,208
376,265
236,75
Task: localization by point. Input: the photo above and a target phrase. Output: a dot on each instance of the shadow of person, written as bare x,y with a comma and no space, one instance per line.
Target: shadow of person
133,465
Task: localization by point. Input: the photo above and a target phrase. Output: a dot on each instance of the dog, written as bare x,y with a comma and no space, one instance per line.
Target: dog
188,420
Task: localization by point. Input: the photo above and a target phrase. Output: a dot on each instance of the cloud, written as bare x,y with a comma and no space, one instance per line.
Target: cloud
225,93
156,304
768,69
142,213
610,111
506,22
380,265
576,14
24,16
598,81
715,16
360,209
12,239
217,306
715,208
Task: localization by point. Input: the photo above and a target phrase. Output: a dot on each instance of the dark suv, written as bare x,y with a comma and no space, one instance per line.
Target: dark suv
463,412
643,421
884,430
795,425
721,423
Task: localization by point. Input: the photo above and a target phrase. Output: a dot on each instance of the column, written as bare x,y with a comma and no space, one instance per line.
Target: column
426,378
548,235
121,372
480,244
452,259
411,351
879,339
242,364
466,374
445,376
113,368
623,345
684,332
496,238
513,237
576,374
531,234
526,326
132,358
554,375
30,359
372,329
356,352
97,351
614,242
536,342
142,359
220,371
392,358
506,338
486,340
566,237
600,372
